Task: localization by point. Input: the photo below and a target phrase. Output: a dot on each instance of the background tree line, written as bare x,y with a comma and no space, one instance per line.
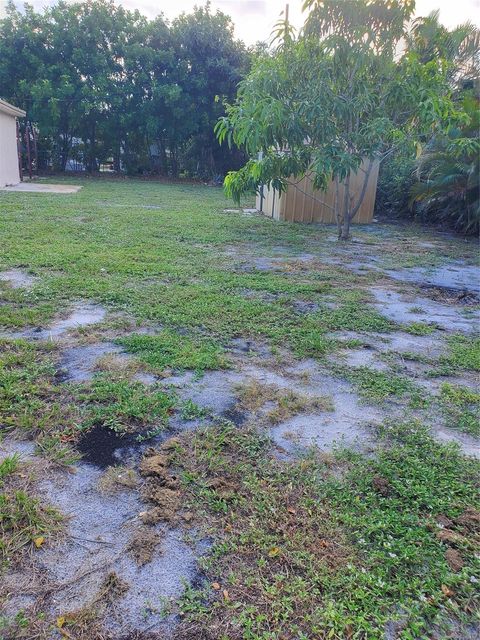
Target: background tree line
106,84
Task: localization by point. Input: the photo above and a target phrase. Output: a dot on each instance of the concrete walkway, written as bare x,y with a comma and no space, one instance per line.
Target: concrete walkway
35,187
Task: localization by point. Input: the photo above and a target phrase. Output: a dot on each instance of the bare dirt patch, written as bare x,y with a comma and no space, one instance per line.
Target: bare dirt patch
459,276
82,315
405,309
104,536
18,279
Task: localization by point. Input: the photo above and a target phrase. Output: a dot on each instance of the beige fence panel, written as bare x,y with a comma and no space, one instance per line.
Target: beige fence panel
302,203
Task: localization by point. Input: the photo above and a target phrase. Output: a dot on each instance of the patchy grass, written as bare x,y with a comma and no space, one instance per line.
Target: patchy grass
461,407
464,353
25,522
30,399
378,386
419,328
123,406
170,350
301,552
356,316
326,547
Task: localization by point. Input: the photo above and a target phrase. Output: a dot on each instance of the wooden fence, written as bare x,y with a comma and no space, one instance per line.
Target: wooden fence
302,203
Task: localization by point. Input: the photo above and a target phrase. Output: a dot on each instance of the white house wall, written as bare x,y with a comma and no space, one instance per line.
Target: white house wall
9,173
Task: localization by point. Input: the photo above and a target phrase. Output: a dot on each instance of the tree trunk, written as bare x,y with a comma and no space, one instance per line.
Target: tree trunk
117,162
92,160
64,151
345,235
349,209
337,206
344,225
163,160
174,162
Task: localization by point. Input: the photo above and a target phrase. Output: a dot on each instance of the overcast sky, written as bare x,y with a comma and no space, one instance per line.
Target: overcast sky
254,19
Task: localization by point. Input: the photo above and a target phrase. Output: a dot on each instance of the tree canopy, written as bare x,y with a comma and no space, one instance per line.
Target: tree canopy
337,95
104,82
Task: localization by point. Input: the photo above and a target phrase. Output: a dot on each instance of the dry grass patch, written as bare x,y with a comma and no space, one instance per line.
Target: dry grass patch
253,396
143,544
117,478
26,522
85,623
118,364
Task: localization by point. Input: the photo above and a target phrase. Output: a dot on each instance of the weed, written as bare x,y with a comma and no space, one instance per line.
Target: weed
122,405
24,519
378,386
461,407
190,410
355,316
419,328
464,353
169,349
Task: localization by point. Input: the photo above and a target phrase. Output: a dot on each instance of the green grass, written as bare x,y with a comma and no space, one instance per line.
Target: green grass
378,386
168,266
8,465
300,552
461,407
122,405
29,398
168,349
328,546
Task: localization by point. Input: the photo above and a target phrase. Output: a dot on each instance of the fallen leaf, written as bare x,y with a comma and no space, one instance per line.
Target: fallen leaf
38,541
226,595
381,485
60,621
291,510
274,552
215,586
446,591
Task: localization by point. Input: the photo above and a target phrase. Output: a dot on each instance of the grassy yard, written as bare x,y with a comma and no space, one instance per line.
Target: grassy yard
227,349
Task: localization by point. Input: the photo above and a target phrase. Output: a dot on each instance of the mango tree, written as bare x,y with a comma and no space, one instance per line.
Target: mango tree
335,100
